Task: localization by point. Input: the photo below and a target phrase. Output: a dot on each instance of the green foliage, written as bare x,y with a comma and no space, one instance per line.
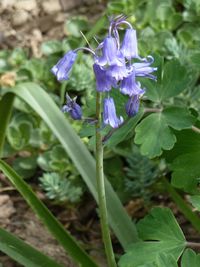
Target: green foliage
78,81
195,200
25,166
161,233
190,258
141,174
57,230
19,131
169,28
55,159
160,135
60,188
186,172
169,83
22,252
42,103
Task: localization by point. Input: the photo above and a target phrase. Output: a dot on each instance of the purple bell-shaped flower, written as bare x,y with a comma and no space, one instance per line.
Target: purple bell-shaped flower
72,108
130,87
129,45
109,114
117,72
132,106
143,69
104,82
62,69
110,54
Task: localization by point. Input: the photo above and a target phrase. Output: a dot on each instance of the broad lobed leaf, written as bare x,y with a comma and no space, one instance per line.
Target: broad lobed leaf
186,172
161,226
154,134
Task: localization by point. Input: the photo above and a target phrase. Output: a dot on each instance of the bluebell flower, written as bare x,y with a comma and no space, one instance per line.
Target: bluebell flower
132,106
104,82
62,69
143,69
129,47
109,114
72,108
130,87
118,72
113,68
110,54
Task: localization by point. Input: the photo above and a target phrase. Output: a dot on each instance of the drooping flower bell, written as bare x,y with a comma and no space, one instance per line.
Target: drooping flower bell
117,72
62,69
113,68
130,87
143,69
129,47
132,106
104,82
72,108
110,53
109,114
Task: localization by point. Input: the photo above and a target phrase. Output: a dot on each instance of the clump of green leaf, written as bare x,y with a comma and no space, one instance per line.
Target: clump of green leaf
141,174
78,81
55,160
59,188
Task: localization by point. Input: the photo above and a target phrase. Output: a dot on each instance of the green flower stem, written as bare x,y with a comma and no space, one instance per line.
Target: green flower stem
101,187
182,205
6,105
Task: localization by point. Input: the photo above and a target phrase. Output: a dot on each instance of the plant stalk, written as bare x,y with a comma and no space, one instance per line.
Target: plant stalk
101,187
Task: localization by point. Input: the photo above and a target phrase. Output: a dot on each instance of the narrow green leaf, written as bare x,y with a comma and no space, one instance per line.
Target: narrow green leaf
22,252
58,231
123,132
161,226
94,30
6,104
41,102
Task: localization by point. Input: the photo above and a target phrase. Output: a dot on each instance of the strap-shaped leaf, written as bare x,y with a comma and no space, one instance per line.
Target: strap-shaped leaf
22,252
42,103
6,103
58,231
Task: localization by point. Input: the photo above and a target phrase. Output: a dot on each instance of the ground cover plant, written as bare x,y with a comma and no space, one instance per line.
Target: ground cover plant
137,98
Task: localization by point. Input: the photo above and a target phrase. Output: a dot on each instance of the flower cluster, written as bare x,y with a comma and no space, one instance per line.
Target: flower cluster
117,64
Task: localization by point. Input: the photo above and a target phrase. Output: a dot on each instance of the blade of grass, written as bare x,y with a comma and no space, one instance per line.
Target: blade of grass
94,30
56,228
6,104
22,252
42,103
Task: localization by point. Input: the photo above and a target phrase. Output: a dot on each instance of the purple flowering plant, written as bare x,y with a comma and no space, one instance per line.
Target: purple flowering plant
117,66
